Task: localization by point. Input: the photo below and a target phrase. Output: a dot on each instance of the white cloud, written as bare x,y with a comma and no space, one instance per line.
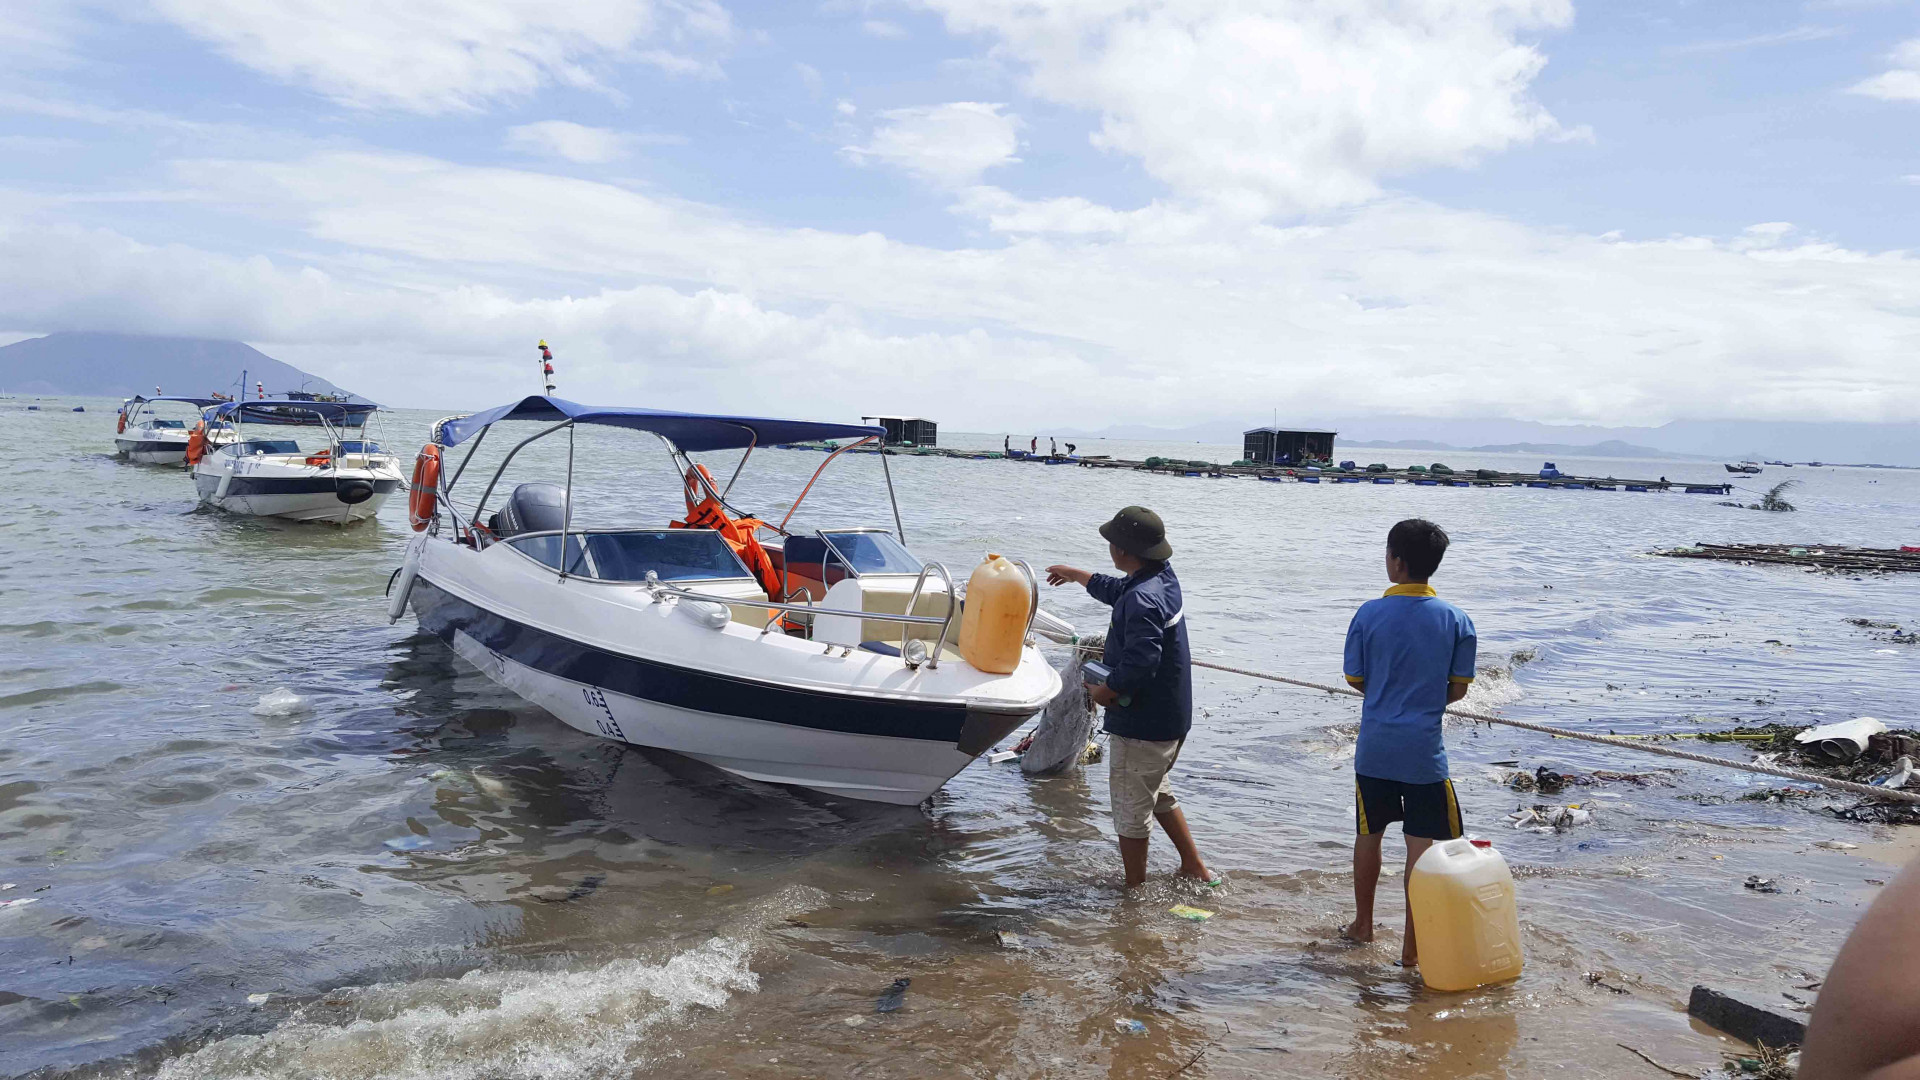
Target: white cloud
437,56
949,145
881,28
1900,84
1161,314
1282,105
1755,41
578,142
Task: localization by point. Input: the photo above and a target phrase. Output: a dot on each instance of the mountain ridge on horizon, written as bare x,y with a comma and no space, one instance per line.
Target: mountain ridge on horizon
121,365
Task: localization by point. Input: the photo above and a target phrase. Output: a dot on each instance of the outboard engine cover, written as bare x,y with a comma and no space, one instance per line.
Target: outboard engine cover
353,492
532,508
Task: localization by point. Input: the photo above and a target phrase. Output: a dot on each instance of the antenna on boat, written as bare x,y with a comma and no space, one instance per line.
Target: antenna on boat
546,365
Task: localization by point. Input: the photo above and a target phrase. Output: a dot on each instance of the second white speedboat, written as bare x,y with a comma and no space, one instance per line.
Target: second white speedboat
246,472
145,436
823,659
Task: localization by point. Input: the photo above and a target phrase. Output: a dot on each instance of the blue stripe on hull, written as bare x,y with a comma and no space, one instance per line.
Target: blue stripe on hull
243,486
441,613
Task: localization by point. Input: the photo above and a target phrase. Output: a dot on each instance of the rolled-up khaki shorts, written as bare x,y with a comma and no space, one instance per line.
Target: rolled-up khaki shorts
1137,781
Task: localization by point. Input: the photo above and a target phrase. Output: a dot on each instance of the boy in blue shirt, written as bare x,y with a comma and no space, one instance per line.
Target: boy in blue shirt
1412,654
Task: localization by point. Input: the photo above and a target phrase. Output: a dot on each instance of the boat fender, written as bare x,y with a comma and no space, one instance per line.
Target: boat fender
708,614
408,572
353,492
425,490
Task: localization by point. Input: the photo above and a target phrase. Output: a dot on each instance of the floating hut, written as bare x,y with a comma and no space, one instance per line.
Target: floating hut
1278,446
908,430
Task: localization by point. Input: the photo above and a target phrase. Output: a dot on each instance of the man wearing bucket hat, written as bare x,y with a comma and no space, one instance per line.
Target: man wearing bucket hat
1148,688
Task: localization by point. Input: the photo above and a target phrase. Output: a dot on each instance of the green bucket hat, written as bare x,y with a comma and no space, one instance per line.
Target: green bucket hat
1139,532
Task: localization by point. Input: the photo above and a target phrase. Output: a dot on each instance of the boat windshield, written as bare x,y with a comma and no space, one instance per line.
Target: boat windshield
270,446
673,554
166,423
874,552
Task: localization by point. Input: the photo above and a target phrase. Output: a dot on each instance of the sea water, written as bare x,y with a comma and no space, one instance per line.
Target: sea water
430,878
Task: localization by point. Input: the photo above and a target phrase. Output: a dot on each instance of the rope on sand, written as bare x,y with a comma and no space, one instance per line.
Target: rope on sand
1867,790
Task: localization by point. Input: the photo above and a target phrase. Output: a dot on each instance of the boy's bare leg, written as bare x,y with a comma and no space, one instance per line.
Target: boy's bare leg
1366,877
1416,847
1191,865
1133,856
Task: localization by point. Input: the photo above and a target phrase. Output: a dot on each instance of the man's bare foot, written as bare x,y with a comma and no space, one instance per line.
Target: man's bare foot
1199,873
1356,933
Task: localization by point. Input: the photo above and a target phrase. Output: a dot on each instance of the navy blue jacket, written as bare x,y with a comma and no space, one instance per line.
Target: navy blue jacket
1147,651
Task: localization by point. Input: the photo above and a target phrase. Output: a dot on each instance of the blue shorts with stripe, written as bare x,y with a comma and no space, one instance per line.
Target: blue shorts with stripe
1429,811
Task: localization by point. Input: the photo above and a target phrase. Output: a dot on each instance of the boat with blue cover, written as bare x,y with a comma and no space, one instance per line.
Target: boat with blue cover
271,475
146,435
823,658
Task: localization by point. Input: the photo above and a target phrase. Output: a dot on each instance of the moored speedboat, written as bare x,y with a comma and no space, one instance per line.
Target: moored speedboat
824,659
145,436
244,472
1747,467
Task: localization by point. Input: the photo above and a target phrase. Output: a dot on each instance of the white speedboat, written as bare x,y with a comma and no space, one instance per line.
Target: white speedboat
266,473
824,659
147,437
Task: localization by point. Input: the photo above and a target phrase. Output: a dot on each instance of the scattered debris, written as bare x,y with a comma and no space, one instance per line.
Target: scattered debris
1668,1069
1541,818
1548,782
1190,913
1762,885
22,902
1743,1020
409,843
1008,939
854,1021
1594,978
719,890
1003,755
1766,1063
1879,813
1772,501
257,1000
895,996
1897,778
1835,845
1128,1026
1844,741
280,702
1067,723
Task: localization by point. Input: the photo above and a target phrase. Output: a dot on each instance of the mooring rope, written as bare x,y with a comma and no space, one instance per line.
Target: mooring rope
1868,790
1605,740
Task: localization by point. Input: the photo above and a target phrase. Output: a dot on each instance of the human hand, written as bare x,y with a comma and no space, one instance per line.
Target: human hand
1060,575
1103,696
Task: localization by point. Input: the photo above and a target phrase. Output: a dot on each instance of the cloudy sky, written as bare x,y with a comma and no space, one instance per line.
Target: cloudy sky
1001,213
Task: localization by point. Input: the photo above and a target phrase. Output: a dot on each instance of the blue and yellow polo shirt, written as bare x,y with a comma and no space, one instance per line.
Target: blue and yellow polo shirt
1402,651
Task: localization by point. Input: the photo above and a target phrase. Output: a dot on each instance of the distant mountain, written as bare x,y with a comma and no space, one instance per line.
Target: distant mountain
1731,440
121,365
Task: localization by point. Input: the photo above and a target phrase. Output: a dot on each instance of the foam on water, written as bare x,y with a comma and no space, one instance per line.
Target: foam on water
567,1025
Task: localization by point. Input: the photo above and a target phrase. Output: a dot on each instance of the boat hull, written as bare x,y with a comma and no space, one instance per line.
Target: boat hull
303,498
860,747
148,449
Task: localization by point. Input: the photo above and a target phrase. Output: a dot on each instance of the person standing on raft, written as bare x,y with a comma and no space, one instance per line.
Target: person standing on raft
1412,654
1148,695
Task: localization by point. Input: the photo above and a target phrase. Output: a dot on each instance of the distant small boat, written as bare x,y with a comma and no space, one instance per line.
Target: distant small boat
1748,467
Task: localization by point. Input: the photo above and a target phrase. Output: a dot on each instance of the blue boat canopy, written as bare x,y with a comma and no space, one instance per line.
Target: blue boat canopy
201,402
688,431
278,408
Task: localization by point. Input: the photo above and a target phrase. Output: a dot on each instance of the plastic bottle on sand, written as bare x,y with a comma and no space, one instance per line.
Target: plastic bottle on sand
994,623
1464,919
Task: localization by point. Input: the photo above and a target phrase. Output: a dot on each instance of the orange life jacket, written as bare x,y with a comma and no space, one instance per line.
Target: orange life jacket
197,443
705,512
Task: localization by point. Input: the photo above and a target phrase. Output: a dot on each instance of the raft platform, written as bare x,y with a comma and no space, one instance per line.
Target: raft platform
1289,474
1833,557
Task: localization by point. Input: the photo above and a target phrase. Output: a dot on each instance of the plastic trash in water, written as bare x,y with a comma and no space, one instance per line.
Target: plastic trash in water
1004,755
1129,1026
1843,741
408,843
1902,772
895,996
1190,913
280,702
257,1000
1008,939
22,902
1835,845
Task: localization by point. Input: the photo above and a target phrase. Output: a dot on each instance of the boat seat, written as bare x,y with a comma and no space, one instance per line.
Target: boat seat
531,508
